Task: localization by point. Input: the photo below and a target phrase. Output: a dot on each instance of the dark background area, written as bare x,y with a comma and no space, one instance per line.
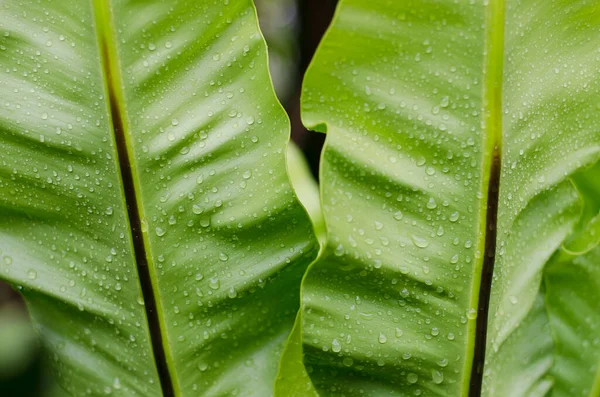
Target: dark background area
293,30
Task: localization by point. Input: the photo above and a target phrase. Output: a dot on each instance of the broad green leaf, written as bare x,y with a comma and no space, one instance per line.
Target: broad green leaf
572,280
436,113
65,238
293,380
528,357
573,283
519,354
173,98
550,95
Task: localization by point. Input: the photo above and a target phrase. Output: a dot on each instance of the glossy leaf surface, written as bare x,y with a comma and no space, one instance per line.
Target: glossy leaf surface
182,89
572,281
433,114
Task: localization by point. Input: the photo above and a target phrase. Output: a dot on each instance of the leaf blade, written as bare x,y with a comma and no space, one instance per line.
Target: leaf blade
64,208
378,181
346,95
226,269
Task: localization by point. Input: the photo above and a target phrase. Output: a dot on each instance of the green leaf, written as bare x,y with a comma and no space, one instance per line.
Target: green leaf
440,115
527,358
572,280
143,171
293,380
573,305
587,233
550,95
518,354
306,188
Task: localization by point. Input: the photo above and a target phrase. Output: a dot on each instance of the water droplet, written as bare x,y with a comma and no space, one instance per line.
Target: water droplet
214,283
32,274
160,231
232,293
339,250
420,242
412,378
431,204
336,346
437,376
223,257
382,338
471,314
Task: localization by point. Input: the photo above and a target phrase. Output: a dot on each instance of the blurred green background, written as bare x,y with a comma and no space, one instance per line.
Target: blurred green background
292,29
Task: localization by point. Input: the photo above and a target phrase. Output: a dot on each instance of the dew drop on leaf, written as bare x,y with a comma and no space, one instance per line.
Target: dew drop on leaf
336,346
437,376
419,242
412,378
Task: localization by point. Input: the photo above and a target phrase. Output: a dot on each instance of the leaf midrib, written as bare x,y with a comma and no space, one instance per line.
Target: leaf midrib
130,188
492,163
